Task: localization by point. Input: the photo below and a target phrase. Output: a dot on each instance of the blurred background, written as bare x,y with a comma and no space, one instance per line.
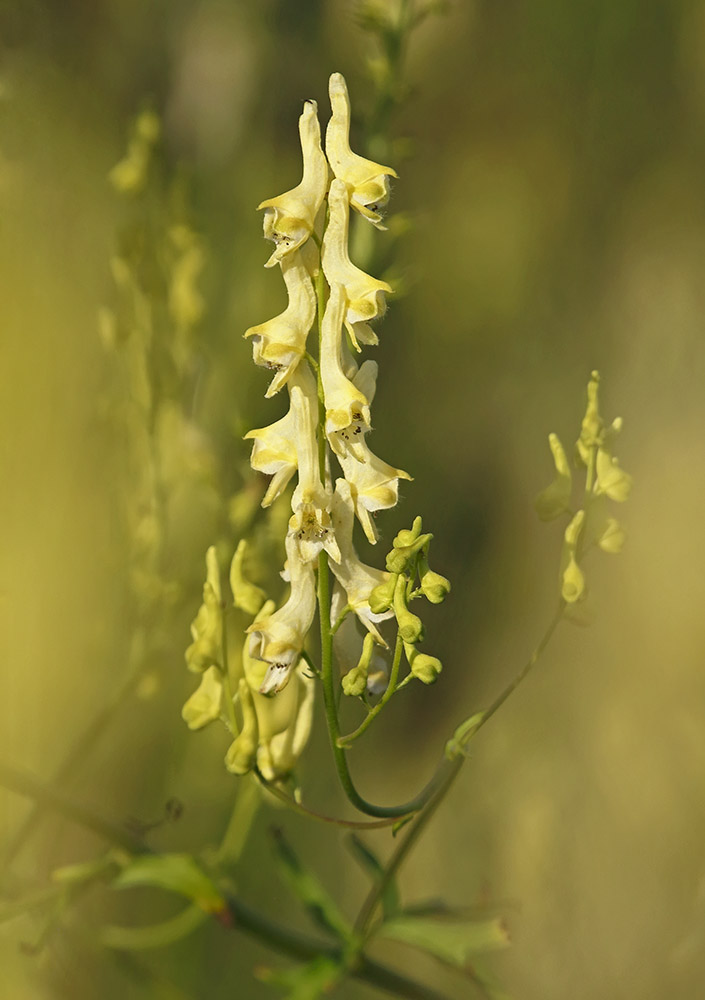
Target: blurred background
552,170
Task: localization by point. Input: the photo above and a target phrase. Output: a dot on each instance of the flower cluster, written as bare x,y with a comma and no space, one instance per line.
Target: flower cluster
326,427
591,524
309,228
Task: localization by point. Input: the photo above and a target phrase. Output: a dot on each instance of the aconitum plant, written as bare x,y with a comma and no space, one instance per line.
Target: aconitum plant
263,677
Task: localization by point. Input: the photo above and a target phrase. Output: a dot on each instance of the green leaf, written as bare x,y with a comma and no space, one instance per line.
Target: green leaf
452,941
307,982
309,890
375,869
154,935
176,872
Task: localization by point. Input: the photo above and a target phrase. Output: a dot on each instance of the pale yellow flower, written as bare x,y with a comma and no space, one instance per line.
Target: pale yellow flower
274,450
204,704
365,295
206,629
367,183
374,485
310,523
289,218
347,408
355,577
280,343
278,638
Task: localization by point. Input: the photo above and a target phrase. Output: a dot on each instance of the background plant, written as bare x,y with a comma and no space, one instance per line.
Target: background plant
579,220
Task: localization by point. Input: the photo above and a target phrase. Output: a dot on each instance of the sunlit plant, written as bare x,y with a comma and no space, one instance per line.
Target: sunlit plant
337,629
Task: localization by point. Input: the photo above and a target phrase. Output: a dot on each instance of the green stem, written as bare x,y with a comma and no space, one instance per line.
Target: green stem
392,687
446,778
240,916
305,948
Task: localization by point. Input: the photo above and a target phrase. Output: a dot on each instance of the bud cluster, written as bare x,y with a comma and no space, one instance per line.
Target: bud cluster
591,523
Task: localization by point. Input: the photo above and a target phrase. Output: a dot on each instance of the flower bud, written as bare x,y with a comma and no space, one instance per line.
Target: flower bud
355,681
410,625
246,595
382,596
434,586
424,667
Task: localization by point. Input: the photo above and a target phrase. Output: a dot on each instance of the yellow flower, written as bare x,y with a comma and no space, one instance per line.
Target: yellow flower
206,629
204,704
278,638
367,183
310,524
374,485
289,218
347,408
356,578
555,499
274,449
365,295
280,343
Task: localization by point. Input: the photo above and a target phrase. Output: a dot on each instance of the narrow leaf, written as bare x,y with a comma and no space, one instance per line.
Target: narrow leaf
452,941
154,935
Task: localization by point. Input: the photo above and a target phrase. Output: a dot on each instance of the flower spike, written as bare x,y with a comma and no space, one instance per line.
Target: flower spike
367,183
289,219
357,579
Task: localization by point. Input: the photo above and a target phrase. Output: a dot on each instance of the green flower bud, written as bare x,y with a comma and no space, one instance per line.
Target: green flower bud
572,578
355,681
572,582
246,595
410,625
407,537
242,754
434,586
382,596
424,667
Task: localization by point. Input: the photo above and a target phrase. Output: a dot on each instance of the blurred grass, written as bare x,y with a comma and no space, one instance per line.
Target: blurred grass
557,183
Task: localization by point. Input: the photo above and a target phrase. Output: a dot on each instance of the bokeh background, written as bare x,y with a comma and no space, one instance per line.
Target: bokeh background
554,175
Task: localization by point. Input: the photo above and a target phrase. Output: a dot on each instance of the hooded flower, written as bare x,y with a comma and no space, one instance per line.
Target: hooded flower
356,578
347,408
278,638
284,721
281,342
365,295
374,485
367,183
274,449
310,524
289,219
206,650
204,704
